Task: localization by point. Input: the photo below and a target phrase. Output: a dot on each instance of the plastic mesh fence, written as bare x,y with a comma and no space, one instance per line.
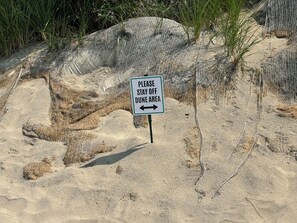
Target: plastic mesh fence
280,70
281,15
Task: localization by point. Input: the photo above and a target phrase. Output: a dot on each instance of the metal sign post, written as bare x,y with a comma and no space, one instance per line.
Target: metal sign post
151,127
147,97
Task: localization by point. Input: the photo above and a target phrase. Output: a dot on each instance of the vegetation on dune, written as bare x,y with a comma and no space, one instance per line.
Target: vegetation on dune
236,29
198,14
57,22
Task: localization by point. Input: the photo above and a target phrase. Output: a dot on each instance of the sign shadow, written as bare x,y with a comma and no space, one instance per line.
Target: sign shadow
113,158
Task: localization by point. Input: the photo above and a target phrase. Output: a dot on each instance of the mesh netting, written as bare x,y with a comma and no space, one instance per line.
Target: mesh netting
281,15
280,70
280,73
116,54
160,47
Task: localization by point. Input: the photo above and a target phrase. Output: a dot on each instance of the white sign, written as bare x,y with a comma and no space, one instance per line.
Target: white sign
147,95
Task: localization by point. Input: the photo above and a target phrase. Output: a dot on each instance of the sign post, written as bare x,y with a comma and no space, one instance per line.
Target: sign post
147,97
151,127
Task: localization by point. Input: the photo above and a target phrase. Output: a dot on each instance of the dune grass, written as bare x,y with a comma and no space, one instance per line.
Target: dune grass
198,14
57,22
229,19
14,22
236,29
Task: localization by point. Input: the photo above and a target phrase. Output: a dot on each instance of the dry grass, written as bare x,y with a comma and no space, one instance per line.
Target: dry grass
287,111
69,105
173,93
91,121
292,40
42,74
247,145
72,111
83,147
81,109
203,94
6,79
140,121
281,33
49,133
8,82
192,164
34,170
192,148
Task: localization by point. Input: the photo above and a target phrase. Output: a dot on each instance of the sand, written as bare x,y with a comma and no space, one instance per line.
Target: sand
142,182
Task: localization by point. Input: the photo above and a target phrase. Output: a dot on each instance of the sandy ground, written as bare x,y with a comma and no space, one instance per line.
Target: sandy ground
143,182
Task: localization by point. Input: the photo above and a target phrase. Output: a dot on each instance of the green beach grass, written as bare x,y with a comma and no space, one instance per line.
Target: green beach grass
57,22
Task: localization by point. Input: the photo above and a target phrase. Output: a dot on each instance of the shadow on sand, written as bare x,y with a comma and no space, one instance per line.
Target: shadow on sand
113,158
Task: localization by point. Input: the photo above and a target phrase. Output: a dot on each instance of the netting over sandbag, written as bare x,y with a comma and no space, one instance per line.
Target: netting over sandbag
135,48
280,70
280,74
281,15
138,47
